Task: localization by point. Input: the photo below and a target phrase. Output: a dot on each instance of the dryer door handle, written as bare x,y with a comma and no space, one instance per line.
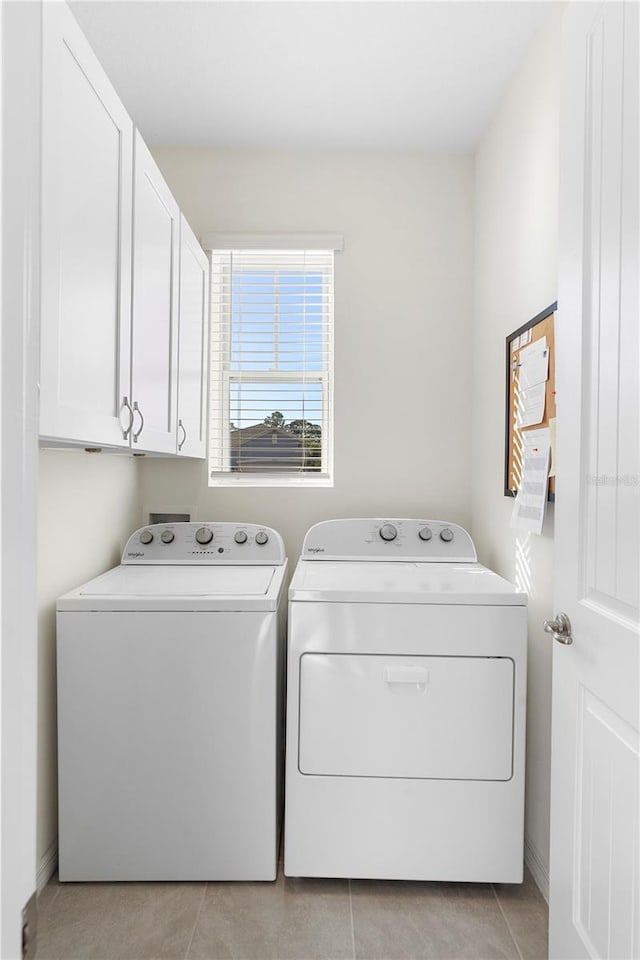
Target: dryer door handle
416,675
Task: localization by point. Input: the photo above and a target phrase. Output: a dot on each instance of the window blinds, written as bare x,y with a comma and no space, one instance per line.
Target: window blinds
271,364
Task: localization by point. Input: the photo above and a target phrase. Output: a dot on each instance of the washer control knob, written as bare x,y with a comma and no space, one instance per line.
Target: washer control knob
146,536
446,535
262,538
425,533
167,536
388,531
204,535
240,536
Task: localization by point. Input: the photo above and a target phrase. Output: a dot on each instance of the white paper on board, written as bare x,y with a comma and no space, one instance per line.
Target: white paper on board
533,365
530,405
531,500
552,435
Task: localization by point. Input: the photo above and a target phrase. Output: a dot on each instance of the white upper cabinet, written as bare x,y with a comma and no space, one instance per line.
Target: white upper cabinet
193,345
112,289
156,231
87,142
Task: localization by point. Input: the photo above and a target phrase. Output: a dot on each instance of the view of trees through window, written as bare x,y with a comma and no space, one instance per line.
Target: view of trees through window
305,455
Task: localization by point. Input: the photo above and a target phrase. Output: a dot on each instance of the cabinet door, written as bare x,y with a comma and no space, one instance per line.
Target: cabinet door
193,345
154,356
87,163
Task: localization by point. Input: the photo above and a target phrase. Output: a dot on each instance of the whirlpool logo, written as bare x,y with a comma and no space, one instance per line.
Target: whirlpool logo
133,555
315,549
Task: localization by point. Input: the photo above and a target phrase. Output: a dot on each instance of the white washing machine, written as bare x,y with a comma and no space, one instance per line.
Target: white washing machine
170,708
405,707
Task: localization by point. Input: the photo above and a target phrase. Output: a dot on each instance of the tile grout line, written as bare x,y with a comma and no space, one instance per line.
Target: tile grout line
195,925
353,932
504,917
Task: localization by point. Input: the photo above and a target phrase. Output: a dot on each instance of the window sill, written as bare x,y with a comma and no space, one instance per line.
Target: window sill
262,481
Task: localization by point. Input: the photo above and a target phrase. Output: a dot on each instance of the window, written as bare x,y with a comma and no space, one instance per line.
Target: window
271,367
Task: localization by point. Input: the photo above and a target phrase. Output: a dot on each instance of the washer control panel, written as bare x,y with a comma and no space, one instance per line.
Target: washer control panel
389,539
204,543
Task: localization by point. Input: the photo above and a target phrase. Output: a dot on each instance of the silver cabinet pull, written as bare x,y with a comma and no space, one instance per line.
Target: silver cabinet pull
136,409
182,442
560,628
126,405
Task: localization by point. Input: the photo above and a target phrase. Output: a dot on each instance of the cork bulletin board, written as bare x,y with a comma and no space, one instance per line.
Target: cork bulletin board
540,326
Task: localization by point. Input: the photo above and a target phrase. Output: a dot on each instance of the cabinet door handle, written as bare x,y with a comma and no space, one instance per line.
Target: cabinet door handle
182,442
125,404
136,409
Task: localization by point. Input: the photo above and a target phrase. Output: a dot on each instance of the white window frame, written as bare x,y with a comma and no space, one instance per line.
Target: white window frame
221,378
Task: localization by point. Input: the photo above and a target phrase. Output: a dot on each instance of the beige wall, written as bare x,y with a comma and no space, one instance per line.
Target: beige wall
516,196
87,506
413,436
402,326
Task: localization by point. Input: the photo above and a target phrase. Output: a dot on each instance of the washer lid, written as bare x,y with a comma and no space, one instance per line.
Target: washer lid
397,582
130,587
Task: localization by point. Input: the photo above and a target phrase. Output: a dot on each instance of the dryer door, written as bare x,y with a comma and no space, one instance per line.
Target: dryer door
425,717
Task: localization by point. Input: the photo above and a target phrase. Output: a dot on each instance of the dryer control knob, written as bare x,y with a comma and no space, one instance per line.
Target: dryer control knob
446,535
425,533
240,536
388,531
204,535
167,536
262,538
146,536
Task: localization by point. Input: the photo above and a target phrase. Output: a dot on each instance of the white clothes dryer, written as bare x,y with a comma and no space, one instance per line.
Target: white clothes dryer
170,708
405,707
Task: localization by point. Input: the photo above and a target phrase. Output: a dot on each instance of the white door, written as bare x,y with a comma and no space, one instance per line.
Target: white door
154,359
595,885
20,115
193,345
87,164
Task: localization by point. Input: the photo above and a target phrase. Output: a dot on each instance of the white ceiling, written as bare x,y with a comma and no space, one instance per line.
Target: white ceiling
380,74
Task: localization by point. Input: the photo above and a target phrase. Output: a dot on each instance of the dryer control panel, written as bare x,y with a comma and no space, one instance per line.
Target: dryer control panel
438,541
205,543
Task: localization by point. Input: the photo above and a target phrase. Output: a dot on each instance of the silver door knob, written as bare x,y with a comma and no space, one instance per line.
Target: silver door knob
560,628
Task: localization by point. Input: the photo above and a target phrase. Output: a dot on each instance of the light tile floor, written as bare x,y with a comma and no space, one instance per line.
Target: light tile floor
291,920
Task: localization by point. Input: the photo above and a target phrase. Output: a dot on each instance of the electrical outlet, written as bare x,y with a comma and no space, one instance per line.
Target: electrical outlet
29,927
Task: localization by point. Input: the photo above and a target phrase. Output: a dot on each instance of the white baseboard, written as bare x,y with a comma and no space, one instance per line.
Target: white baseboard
48,866
537,866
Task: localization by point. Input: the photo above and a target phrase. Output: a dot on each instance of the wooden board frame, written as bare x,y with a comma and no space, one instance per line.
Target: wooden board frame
541,325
